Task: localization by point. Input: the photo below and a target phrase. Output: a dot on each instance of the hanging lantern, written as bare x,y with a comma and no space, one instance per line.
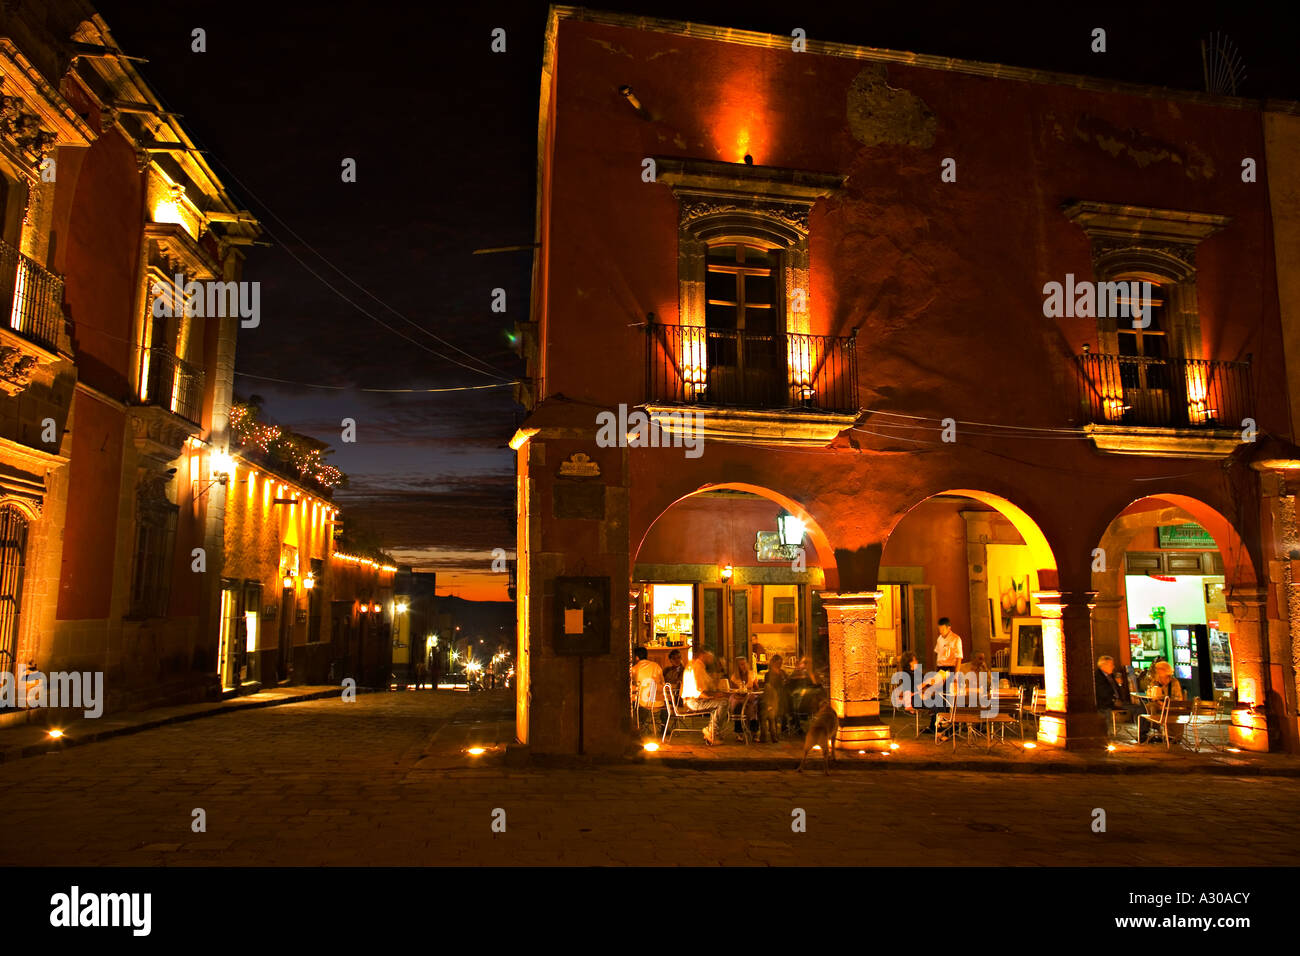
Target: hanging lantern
790,528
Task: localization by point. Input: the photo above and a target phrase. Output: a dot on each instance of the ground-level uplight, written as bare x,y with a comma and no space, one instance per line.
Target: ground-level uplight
1110,747
893,746
476,751
56,734
1234,750
1030,745
651,746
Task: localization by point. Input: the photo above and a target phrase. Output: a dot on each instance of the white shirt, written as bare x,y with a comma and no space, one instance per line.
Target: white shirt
947,649
649,680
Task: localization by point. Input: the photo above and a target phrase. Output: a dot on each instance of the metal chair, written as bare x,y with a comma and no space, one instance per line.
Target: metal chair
1166,718
650,699
676,715
1117,716
1206,713
1008,706
965,711
740,713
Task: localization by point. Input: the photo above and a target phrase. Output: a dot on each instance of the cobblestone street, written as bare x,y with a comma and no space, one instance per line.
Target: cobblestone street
382,781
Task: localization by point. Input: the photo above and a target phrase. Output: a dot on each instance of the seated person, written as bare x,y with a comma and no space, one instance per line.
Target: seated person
674,671
908,684
1164,683
1112,692
706,687
648,679
744,706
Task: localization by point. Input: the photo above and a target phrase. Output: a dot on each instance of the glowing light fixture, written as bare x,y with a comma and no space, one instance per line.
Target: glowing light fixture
400,608
651,746
791,529
56,733
476,751
1030,745
309,582
893,746
727,572
288,581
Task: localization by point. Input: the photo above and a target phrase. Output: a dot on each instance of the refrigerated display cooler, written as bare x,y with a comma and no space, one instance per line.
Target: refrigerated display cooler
1202,661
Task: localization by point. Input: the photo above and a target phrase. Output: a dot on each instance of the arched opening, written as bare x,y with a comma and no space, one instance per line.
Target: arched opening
713,575
1167,570
977,559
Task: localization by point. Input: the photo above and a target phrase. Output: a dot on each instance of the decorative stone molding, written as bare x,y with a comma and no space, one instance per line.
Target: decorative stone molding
158,434
20,361
767,427
1164,442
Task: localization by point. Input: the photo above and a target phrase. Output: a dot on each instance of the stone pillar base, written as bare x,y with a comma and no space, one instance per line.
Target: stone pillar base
1086,731
864,736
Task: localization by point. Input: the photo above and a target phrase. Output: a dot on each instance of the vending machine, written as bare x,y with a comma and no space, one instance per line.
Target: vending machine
1220,657
1193,663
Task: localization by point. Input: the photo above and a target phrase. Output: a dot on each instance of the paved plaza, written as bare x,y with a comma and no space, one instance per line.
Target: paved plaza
385,780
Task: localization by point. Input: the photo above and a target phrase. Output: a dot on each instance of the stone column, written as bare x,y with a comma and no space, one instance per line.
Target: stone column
1249,661
851,620
1072,720
1107,638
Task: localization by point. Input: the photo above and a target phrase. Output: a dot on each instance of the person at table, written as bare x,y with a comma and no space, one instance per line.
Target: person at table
708,699
1112,690
1164,683
744,706
909,683
947,649
674,671
648,679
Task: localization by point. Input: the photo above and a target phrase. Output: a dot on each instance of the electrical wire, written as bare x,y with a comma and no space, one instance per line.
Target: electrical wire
358,388
209,154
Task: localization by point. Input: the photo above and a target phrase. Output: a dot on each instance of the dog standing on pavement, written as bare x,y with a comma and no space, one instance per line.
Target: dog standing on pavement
822,732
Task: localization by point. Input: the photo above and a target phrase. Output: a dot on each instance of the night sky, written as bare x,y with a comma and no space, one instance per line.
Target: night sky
374,284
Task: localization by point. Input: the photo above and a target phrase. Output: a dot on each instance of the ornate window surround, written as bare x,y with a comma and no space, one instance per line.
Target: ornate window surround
1157,245
722,202
1152,244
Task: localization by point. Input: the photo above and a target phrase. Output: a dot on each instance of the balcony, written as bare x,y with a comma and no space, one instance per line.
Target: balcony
172,384
786,389
1164,406
35,296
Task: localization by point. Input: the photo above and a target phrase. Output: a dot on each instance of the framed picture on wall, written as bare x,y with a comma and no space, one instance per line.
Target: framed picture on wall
783,610
1013,600
1027,645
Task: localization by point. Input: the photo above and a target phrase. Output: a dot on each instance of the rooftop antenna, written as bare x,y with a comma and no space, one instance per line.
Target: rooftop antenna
1222,65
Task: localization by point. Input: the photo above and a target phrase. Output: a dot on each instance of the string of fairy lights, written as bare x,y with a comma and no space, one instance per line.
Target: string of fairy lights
280,444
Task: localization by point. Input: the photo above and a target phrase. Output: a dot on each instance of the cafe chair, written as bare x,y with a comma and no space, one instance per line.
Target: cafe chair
678,720
1007,706
1119,719
965,712
1165,719
1206,716
650,699
1037,705
741,713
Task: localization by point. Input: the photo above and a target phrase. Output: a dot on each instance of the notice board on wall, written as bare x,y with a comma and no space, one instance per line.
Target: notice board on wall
580,623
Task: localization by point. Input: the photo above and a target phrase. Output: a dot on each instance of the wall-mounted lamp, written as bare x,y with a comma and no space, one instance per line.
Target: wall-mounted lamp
375,608
309,582
726,573
790,528
631,99
400,608
365,608
288,581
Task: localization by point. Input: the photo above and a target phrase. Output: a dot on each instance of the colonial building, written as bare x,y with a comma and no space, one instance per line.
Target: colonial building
117,380
829,344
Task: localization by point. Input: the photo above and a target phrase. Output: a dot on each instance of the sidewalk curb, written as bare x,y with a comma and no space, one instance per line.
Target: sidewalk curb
233,705
1107,769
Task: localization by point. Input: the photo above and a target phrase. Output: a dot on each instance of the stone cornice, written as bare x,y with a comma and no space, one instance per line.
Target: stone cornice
1101,220
1164,442
21,79
923,61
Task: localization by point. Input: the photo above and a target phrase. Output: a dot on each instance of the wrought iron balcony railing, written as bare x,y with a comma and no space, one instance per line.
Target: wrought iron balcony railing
1164,392
691,365
172,384
34,296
